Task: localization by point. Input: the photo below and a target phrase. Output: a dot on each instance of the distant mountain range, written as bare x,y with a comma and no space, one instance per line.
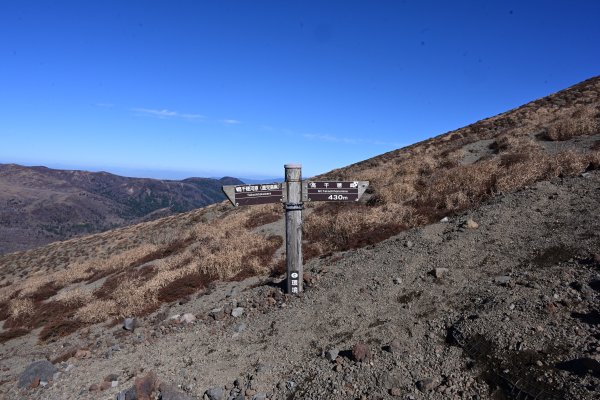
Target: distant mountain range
39,205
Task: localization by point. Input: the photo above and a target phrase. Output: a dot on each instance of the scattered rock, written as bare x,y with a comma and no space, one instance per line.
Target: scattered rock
250,392
215,393
111,377
472,224
409,244
217,314
395,347
35,383
129,324
37,371
397,281
444,220
239,328
439,272
390,380
83,353
145,386
396,392
361,352
169,392
128,394
187,318
502,280
332,354
259,396
426,384
237,312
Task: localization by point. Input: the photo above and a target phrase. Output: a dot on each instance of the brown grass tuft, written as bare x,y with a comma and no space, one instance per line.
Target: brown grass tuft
12,334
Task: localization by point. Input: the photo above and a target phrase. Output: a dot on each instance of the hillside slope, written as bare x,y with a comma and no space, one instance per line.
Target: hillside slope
42,205
51,293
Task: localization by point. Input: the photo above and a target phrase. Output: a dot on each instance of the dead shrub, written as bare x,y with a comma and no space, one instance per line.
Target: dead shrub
97,311
263,215
21,308
59,328
184,286
12,334
583,121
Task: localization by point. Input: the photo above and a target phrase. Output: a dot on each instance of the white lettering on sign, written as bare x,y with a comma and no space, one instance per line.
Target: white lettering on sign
295,289
269,187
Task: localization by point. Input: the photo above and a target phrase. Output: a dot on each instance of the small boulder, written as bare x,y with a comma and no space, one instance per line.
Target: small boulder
440,272
239,328
215,394
502,280
472,224
361,352
426,384
129,324
145,386
187,318
169,392
237,312
217,314
332,354
37,371
83,353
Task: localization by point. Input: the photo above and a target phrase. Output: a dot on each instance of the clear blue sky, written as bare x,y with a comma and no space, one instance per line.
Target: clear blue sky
212,88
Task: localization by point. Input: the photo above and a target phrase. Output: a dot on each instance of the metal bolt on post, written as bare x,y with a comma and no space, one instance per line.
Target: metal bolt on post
293,227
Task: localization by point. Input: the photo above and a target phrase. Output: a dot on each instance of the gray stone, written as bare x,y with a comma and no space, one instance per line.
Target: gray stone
215,394
390,380
259,396
444,220
439,272
217,313
128,394
426,384
169,392
237,312
129,324
397,281
409,244
187,318
502,280
395,347
239,328
332,354
42,370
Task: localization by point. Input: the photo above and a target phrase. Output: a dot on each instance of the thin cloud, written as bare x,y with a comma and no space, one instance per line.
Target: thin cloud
164,114
231,121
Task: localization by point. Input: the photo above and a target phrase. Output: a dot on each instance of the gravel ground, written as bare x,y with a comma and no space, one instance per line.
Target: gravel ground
500,302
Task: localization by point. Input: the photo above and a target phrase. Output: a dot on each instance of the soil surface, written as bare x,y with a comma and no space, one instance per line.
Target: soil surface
499,302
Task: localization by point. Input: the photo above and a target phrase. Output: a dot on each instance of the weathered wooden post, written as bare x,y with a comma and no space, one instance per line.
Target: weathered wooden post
293,194
293,227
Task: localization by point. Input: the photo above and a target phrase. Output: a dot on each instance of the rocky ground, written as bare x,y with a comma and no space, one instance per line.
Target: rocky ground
500,302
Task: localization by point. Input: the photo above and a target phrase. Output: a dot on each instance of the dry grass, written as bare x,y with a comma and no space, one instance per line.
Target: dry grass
174,257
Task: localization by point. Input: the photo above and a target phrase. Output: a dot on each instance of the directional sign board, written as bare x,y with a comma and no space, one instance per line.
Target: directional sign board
249,195
333,190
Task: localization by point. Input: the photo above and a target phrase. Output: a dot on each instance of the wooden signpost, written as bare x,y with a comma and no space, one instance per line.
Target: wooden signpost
293,193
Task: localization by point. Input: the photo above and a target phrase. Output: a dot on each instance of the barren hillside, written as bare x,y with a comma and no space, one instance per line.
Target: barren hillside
518,175
41,205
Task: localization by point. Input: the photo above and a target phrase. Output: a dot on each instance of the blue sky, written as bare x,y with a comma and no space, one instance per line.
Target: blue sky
172,89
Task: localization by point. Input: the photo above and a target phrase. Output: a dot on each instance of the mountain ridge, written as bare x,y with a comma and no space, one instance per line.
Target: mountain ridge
42,205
